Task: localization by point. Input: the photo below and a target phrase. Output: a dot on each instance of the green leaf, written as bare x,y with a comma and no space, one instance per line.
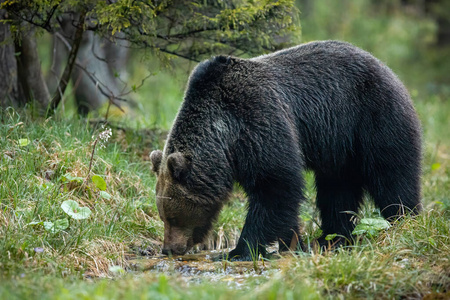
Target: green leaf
435,166
69,177
329,237
305,217
371,226
72,208
99,182
60,224
105,195
35,223
23,142
376,223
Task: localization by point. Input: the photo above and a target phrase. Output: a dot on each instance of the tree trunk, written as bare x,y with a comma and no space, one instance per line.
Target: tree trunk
30,74
64,81
97,57
8,67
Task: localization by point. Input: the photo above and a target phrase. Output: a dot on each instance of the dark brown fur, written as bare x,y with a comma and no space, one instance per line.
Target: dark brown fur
325,106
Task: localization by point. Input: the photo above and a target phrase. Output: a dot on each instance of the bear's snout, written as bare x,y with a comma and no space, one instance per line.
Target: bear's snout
177,241
177,250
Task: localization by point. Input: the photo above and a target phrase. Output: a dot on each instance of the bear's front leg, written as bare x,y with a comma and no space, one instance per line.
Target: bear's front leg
253,239
265,223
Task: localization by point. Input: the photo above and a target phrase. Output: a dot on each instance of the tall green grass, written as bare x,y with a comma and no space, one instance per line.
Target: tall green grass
44,163
38,163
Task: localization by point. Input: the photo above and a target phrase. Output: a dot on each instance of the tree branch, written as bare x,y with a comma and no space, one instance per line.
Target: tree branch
178,54
110,95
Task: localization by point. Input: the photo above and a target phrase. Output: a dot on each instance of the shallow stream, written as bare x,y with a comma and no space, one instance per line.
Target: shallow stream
205,266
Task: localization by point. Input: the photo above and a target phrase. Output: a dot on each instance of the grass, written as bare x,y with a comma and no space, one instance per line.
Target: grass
47,162
34,185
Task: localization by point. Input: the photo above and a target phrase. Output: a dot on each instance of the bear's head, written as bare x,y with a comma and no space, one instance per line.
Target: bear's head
187,217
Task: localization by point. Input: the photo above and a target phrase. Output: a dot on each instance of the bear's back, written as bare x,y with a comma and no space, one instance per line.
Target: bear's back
318,51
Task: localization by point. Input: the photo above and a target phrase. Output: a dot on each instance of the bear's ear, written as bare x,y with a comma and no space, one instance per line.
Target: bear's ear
156,157
177,165
226,60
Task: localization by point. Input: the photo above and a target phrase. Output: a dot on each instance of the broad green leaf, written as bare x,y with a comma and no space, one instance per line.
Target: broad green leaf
57,226
371,226
361,229
99,182
23,142
71,178
376,223
49,226
72,208
329,237
105,195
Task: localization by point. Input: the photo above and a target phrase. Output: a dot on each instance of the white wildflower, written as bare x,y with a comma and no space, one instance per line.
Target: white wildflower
104,136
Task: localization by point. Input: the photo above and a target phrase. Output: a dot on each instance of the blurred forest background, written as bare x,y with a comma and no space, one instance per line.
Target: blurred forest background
67,65
144,79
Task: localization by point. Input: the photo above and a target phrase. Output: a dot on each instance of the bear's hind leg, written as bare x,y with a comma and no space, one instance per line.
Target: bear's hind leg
337,200
395,192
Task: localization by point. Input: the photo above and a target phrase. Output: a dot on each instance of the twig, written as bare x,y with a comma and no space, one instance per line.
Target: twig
92,157
90,161
107,110
50,15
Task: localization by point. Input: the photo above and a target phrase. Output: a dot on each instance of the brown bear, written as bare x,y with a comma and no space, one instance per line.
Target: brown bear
325,106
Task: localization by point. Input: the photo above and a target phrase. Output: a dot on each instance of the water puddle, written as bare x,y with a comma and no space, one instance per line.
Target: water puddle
204,266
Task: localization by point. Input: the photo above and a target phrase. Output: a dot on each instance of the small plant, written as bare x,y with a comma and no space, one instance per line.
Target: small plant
69,178
57,226
76,212
255,255
371,227
330,237
52,227
101,139
225,262
71,208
